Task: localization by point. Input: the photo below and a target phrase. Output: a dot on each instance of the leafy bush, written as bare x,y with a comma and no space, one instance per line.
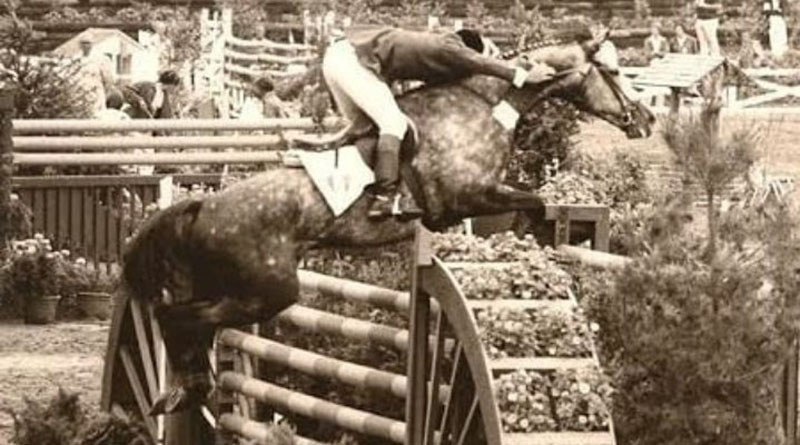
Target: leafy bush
66,421
543,136
697,328
44,88
20,218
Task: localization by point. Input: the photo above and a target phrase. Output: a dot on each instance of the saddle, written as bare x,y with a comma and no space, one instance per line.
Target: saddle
338,162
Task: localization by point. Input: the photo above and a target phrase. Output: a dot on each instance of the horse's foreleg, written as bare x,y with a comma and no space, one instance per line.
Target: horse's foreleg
187,351
501,198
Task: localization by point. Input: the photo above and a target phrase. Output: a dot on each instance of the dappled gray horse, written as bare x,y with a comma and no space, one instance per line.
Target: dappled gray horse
231,258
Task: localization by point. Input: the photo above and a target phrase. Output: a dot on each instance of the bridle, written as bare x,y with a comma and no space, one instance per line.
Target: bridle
628,106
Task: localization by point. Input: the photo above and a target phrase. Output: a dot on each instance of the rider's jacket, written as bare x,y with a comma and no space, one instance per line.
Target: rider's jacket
397,54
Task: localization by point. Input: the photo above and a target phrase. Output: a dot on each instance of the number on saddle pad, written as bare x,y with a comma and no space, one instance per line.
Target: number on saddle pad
340,181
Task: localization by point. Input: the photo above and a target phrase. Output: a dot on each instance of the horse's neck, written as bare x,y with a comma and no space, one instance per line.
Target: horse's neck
495,90
491,89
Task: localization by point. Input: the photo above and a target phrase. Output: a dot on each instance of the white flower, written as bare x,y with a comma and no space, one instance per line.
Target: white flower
582,419
38,237
64,252
49,255
584,388
512,397
594,326
524,423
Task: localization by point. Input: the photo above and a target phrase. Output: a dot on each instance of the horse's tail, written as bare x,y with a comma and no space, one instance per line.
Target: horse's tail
156,254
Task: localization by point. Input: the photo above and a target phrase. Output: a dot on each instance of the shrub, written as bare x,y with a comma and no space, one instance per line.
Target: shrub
45,88
543,136
66,421
20,218
697,328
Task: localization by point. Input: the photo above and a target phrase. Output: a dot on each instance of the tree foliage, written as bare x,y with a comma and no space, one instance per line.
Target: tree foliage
44,88
696,337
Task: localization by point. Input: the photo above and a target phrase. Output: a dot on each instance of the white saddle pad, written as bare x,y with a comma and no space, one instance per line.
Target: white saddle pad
340,184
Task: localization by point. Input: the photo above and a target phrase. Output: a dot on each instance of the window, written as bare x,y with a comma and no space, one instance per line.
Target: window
124,64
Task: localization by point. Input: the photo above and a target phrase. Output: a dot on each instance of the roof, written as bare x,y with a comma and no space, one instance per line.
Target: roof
95,35
678,70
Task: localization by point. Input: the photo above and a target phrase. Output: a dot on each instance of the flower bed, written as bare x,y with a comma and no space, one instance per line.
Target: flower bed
564,400
539,279
500,247
533,333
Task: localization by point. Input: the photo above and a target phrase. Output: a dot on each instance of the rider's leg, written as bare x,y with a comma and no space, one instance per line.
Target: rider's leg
353,85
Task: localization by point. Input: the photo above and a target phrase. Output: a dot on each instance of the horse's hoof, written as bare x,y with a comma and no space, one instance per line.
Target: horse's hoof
171,402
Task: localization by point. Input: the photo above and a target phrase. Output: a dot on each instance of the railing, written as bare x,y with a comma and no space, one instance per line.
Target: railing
93,215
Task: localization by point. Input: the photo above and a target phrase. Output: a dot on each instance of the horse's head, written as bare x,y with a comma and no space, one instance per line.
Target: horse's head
587,75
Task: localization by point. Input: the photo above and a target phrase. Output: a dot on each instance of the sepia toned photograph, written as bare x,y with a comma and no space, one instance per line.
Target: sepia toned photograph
377,222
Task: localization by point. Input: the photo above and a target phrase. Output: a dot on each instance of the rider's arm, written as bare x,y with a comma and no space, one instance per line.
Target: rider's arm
465,61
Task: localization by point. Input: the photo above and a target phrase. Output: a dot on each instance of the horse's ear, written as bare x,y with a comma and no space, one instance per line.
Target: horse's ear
593,45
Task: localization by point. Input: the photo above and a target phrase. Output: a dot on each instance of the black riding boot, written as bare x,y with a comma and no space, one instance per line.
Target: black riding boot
387,175
386,200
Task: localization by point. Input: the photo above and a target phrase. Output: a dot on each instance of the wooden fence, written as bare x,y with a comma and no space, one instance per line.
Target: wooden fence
93,215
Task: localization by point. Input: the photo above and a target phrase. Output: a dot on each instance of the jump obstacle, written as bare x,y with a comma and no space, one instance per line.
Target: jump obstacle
456,405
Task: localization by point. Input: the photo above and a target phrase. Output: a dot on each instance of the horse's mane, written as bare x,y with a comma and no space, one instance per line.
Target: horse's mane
533,46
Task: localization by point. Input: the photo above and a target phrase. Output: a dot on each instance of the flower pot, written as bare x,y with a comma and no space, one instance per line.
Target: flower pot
41,310
95,304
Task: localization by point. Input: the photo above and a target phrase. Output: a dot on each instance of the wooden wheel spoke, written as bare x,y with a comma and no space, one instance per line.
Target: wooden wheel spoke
467,425
435,375
136,386
161,366
145,349
447,410
208,416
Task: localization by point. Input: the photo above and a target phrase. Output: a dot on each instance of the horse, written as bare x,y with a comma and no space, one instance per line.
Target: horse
231,258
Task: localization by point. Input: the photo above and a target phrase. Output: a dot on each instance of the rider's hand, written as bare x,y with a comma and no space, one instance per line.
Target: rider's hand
539,73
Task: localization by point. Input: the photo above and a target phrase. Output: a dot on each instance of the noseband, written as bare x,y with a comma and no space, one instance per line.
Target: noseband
628,107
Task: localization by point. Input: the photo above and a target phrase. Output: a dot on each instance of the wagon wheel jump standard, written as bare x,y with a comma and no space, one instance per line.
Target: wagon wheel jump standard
470,391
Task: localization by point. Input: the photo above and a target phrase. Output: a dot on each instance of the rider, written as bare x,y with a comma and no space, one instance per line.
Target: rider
359,70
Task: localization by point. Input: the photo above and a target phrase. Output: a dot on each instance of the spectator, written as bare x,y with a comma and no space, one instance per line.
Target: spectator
683,43
655,45
752,54
152,100
271,105
708,14
778,39
95,74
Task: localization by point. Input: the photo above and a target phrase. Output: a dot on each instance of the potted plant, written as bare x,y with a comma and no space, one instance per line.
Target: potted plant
91,288
35,275
94,291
